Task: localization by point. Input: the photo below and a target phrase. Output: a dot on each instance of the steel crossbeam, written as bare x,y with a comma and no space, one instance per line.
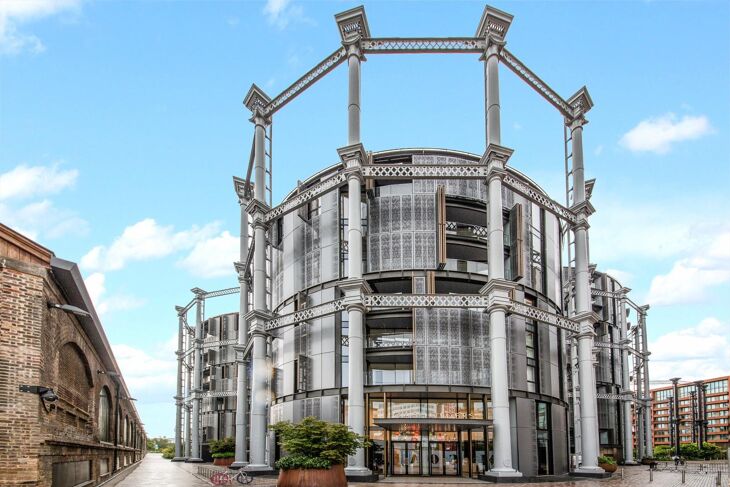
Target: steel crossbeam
425,171
222,292
536,83
318,311
312,76
423,45
598,344
306,196
605,294
540,199
377,301
219,394
533,313
219,343
619,397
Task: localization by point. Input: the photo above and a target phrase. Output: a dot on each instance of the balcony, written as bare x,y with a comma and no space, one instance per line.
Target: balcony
389,339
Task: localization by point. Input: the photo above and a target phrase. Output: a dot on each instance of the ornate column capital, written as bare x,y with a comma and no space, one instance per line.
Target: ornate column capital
353,157
258,209
353,26
243,190
494,25
499,294
199,293
257,321
495,158
257,101
580,103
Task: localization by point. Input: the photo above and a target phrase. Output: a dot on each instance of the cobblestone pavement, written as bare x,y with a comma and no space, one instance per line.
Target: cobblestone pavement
155,471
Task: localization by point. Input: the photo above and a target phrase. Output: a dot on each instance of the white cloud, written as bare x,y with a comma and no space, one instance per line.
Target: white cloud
43,218
692,353
15,12
623,277
598,150
281,13
690,278
658,134
144,240
213,257
149,378
28,181
96,286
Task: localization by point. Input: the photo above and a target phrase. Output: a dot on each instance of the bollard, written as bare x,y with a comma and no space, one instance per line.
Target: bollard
719,479
682,476
651,475
622,472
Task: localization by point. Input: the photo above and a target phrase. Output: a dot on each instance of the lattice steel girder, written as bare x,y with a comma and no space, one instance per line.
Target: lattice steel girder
533,313
598,344
219,394
423,45
222,292
536,83
305,314
605,294
306,196
375,301
475,230
619,397
540,199
249,258
425,171
219,343
312,76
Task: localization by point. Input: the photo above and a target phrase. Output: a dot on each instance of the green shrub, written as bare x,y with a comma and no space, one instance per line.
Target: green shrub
710,451
168,452
225,454
663,453
226,445
316,444
606,460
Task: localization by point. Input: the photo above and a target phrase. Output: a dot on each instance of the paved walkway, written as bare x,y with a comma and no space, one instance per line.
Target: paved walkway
154,471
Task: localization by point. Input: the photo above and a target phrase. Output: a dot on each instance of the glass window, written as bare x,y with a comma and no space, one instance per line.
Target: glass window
104,410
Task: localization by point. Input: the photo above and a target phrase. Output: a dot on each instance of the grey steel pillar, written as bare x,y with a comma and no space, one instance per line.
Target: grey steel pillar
645,376
179,404
197,377
676,418
641,405
188,394
256,100
493,27
626,423
584,313
353,26
577,444
241,459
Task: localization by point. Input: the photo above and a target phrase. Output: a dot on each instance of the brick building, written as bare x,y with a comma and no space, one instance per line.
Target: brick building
704,414
76,423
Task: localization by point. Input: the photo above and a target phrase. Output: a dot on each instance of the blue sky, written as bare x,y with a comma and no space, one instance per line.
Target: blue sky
121,125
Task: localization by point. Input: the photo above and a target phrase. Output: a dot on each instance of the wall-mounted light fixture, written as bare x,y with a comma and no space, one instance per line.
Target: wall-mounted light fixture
70,309
45,393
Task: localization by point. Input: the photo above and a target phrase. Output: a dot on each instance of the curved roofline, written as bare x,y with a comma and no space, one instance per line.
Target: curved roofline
416,150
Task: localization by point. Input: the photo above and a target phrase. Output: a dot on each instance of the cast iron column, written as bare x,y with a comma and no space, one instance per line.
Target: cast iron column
241,459
645,376
677,421
493,27
188,390
179,404
584,312
197,376
626,423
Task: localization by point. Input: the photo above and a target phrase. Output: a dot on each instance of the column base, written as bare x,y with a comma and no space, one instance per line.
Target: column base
510,476
193,460
592,472
179,459
237,465
360,474
631,463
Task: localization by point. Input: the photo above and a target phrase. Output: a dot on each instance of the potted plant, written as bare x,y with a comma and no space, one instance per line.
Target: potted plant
316,453
223,451
607,463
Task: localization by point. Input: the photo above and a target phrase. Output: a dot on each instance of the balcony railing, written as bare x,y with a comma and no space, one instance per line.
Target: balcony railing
396,340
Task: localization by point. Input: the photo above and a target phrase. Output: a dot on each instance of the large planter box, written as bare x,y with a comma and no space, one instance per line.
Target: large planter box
608,467
223,462
320,477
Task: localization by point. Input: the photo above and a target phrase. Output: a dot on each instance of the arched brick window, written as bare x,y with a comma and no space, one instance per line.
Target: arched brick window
105,415
74,386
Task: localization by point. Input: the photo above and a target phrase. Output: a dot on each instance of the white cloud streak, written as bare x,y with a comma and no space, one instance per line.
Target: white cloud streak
29,181
658,134
96,286
150,378
144,240
696,352
282,13
213,257
15,12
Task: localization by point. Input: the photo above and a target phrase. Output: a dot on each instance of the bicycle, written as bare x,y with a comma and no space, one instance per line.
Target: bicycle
227,477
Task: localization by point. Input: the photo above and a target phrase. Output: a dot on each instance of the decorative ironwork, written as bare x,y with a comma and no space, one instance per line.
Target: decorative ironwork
607,345
249,259
422,171
222,292
533,313
313,75
374,301
305,314
306,196
540,199
618,397
536,83
219,343
475,230
345,341
425,45
219,394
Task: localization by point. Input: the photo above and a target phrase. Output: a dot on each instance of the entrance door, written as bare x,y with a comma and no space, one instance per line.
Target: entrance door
443,458
406,458
451,458
436,458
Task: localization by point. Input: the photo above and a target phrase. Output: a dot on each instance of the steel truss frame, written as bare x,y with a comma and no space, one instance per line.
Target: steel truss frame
423,45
